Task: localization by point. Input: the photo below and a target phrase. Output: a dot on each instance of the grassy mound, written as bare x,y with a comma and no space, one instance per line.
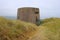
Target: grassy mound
19,30
15,29
50,29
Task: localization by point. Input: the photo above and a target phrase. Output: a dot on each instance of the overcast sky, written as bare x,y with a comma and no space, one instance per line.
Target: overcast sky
48,8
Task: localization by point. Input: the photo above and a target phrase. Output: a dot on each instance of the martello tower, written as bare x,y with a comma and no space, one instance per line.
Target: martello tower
28,14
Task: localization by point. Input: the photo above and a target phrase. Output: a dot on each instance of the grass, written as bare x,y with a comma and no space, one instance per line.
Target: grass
49,29
15,29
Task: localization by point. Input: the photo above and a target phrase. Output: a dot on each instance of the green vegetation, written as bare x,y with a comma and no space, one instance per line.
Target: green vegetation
49,29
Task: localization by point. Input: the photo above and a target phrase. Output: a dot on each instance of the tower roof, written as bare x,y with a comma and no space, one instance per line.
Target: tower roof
28,7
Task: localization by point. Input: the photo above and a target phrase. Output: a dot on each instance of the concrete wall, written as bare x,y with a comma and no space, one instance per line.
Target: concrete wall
28,14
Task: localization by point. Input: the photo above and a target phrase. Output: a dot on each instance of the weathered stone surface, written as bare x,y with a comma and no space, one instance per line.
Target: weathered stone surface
28,14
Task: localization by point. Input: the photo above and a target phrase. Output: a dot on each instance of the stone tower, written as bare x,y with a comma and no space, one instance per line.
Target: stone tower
28,14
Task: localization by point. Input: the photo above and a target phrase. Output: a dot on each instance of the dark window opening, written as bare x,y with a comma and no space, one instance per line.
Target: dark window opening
36,12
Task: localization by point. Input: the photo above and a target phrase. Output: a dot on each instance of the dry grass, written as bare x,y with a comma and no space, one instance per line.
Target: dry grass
19,30
50,29
16,29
